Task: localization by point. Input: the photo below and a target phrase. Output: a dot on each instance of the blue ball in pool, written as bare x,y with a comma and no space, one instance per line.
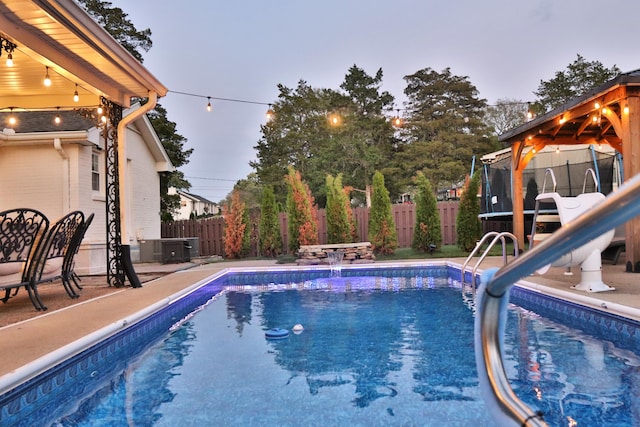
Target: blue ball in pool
276,333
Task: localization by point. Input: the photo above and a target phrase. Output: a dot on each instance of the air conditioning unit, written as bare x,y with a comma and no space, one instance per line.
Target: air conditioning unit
175,251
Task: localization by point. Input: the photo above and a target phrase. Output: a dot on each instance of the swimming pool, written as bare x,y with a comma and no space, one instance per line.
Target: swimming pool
397,369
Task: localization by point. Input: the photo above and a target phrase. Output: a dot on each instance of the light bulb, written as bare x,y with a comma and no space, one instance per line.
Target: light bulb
99,110
57,119
103,119
12,120
10,60
76,97
47,80
208,104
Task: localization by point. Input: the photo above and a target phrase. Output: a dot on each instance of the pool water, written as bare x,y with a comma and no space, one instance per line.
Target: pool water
398,352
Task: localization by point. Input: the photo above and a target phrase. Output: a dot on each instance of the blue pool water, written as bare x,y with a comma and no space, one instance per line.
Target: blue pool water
376,351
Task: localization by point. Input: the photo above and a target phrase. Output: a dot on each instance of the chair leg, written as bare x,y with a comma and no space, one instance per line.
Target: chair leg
67,287
7,295
76,279
35,297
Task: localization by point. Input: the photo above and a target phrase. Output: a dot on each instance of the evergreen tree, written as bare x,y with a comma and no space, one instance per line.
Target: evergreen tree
301,211
468,225
579,77
338,221
270,238
235,227
427,230
382,229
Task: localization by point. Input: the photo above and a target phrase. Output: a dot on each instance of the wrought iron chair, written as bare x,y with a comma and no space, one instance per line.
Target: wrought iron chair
50,255
21,230
68,264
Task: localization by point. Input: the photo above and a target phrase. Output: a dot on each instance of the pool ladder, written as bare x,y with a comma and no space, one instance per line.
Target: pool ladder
496,237
493,297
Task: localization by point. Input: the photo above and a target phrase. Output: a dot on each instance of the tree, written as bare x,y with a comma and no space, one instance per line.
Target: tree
506,115
579,77
339,227
443,127
301,211
382,229
235,227
173,144
302,135
468,225
427,230
114,20
270,238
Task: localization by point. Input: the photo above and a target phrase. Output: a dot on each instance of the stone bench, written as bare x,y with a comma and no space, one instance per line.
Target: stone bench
354,253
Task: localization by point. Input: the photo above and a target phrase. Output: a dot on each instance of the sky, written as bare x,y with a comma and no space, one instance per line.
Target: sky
243,49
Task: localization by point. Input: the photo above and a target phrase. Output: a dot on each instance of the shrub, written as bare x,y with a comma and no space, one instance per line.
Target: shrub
235,227
302,212
270,237
427,230
468,224
382,230
339,226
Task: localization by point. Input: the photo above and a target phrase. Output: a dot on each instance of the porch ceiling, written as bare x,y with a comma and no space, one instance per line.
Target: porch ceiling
60,35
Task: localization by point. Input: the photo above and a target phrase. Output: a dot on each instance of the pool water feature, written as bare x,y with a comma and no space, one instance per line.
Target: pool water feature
380,351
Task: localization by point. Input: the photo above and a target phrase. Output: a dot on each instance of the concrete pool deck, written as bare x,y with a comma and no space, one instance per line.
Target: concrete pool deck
24,342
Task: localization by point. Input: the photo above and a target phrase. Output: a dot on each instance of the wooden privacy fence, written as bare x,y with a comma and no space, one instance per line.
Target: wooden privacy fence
210,231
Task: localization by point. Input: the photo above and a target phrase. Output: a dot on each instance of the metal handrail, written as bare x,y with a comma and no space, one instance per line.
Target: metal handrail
500,237
473,252
595,180
497,236
549,171
491,307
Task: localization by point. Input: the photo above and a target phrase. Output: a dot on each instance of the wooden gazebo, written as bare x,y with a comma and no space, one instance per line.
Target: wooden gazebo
609,114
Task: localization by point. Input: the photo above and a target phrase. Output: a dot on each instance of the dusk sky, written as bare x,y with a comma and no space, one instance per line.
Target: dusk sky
243,50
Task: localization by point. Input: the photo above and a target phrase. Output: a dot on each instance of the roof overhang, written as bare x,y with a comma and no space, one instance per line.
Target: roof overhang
593,118
60,35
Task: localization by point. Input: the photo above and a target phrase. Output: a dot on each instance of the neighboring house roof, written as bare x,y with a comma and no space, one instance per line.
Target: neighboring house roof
39,123
195,197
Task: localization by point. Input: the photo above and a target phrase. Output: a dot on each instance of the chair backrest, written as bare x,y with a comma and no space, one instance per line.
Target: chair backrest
76,241
55,244
20,231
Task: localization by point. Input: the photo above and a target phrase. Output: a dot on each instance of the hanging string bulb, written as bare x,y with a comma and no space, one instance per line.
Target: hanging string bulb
397,121
57,118
208,103
76,97
558,149
47,79
270,114
99,111
10,60
12,118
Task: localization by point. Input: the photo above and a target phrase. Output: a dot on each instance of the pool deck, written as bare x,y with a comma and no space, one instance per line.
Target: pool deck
25,344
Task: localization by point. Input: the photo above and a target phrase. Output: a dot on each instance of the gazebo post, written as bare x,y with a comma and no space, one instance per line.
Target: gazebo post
517,194
631,164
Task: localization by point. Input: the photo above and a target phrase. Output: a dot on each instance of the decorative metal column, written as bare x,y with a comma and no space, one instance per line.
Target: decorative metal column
115,270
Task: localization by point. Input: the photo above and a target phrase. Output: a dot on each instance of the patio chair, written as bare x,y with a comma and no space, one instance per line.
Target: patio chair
20,231
50,255
68,264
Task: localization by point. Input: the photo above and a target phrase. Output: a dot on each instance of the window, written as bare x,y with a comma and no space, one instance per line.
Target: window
95,172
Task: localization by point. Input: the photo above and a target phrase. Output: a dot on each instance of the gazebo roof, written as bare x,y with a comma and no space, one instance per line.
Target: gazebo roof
60,35
589,119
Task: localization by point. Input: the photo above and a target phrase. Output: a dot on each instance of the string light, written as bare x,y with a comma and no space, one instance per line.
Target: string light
47,80
76,97
8,47
558,149
208,103
12,118
270,114
57,118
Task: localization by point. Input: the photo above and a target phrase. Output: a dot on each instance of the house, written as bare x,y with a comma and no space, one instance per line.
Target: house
192,205
62,60
59,167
